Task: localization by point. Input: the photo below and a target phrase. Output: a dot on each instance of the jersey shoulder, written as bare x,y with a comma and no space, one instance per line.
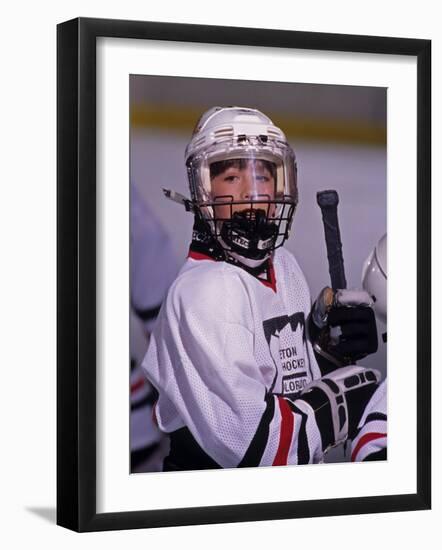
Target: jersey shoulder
286,259
208,286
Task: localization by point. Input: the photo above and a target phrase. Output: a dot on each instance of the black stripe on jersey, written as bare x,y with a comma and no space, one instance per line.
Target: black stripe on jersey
256,448
275,378
375,416
303,448
147,314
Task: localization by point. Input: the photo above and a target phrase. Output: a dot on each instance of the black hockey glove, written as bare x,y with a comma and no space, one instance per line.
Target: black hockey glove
338,401
342,328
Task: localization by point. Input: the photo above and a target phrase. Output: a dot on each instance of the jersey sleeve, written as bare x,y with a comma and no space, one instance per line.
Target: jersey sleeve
201,359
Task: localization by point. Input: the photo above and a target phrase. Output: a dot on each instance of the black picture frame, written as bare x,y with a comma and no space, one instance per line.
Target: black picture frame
77,287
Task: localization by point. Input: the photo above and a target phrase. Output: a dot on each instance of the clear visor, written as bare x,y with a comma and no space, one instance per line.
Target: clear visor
249,173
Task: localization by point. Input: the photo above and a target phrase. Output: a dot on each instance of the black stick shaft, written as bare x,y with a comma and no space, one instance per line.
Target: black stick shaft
328,202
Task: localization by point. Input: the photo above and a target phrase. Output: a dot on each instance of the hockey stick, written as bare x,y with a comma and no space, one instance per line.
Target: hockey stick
328,202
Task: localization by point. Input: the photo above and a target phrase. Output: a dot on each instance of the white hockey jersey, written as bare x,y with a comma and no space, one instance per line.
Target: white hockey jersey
228,355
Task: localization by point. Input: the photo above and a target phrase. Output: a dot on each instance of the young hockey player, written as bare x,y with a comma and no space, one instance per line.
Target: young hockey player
232,353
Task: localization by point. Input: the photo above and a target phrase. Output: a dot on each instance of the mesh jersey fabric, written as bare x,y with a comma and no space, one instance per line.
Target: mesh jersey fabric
228,356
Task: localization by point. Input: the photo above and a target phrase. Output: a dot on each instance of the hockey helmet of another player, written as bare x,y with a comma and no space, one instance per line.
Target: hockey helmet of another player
242,177
374,278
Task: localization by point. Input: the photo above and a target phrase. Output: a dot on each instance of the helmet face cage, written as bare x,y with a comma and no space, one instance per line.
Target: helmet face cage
265,199
256,214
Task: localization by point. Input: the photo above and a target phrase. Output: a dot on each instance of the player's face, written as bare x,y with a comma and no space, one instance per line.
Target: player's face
246,181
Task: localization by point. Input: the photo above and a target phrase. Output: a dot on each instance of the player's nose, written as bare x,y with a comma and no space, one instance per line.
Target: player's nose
247,186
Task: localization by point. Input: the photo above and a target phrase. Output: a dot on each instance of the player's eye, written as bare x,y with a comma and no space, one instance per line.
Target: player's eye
261,178
232,178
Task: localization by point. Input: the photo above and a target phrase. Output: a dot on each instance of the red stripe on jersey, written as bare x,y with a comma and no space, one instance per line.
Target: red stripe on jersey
137,385
199,256
271,283
285,433
363,441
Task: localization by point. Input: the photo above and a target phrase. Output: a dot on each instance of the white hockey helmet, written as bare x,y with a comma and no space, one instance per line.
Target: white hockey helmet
374,278
245,138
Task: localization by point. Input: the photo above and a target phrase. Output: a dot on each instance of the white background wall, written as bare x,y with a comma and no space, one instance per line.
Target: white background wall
27,218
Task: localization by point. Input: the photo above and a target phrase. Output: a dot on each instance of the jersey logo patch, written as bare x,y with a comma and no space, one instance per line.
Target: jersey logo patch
273,326
291,367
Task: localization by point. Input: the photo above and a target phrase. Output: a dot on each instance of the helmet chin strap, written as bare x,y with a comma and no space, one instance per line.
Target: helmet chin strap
217,247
